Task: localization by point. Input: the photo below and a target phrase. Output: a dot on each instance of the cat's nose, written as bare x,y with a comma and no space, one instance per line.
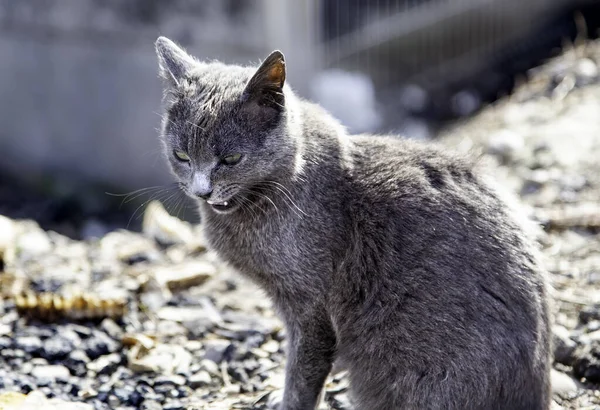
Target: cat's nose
201,185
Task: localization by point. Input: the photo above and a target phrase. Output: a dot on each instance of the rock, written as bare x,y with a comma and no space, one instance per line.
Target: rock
8,231
105,364
51,373
270,347
162,358
56,348
29,344
589,313
32,242
564,346
185,275
128,395
5,329
218,350
99,344
37,400
151,405
11,400
77,362
171,380
111,328
128,247
562,384
189,315
164,228
199,379
587,363
173,405
505,144
586,71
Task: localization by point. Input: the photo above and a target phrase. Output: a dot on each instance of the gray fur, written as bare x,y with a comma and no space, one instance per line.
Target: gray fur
389,256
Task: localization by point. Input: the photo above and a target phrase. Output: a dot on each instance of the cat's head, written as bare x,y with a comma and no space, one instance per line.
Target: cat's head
226,128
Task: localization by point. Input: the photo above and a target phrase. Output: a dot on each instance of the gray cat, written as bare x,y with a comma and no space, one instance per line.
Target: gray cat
388,256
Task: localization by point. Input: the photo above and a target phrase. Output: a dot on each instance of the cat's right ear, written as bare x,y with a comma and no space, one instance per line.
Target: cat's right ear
265,88
174,63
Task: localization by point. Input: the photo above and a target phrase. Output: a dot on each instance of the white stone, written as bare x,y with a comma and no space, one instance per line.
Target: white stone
7,234
163,227
562,384
505,143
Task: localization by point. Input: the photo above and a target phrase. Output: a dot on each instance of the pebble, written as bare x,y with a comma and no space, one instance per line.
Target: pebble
29,344
587,363
151,405
173,405
589,313
564,346
8,231
99,344
190,316
218,350
33,242
586,71
200,379
128,395
105,364
505,143
76,362
174,380
184,275
56,348
562,384
271,346
51,372
111,328
164,228
162,358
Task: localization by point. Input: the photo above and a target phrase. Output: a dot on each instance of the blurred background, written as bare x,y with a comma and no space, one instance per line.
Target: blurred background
81,96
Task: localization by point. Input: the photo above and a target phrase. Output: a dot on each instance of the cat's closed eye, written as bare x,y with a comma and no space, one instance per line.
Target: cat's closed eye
181,156
231,159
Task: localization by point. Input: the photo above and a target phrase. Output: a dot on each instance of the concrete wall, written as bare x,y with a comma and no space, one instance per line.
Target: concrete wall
79,90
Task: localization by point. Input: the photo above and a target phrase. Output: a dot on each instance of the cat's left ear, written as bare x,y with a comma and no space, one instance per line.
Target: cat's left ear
266,86
173,61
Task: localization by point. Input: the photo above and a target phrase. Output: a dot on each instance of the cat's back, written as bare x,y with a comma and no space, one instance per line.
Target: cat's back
425,196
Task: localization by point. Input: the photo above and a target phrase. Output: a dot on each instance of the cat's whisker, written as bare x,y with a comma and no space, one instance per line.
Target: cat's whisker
287,194
262,195
286,199
156,195
130,196
249,205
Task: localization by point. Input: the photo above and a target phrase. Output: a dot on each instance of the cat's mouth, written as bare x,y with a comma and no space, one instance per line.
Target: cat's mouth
222,206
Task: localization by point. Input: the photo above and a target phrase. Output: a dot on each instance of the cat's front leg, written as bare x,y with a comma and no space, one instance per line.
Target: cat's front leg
310,354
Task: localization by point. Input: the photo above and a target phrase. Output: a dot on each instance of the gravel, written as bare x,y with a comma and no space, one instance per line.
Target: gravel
195,335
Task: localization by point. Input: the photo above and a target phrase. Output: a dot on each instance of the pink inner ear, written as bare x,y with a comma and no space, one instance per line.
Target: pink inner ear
276,74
